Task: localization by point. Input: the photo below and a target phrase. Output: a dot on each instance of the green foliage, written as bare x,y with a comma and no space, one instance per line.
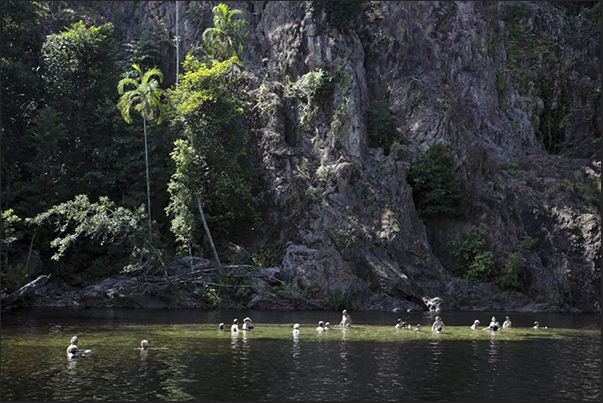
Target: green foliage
314,86
287,287
529,243
341,14
212,157
435,190
381,125
481,268
345,238
79,64
471,260
102,221
210,296
512,275
13,277
228,36
338,300
530,52
234,281
146,48
8,232
116,230
269,255
513,168
145,96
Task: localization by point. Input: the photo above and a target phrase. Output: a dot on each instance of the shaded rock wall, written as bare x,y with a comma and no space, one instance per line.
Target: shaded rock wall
452,72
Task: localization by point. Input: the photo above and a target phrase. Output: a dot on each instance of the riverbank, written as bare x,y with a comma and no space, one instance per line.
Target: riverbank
200,284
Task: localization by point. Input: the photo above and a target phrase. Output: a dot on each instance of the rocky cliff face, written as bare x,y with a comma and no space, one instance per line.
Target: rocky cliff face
491,79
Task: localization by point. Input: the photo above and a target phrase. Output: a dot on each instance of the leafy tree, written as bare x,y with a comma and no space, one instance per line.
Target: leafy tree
20,44
214,170
435,190
66,130
115,228
228,36
146,97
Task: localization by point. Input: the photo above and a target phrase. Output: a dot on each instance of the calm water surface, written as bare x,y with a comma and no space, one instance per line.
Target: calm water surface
191,360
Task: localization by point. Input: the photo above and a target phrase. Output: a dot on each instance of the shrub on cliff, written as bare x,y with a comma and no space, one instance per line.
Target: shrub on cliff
435,190
471,259
381,125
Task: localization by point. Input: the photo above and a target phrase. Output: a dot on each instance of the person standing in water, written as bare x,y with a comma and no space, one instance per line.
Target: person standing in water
346,319
235,326
438,325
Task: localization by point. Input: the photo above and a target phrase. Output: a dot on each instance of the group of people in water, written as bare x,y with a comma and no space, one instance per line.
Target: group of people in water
438,326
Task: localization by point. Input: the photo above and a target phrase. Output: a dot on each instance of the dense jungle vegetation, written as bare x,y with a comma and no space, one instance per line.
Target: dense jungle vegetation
74,168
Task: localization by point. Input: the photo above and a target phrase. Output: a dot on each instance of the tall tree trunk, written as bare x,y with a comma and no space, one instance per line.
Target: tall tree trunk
146,155
211,241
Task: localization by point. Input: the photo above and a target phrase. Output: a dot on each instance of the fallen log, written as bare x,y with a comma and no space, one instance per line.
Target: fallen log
24,291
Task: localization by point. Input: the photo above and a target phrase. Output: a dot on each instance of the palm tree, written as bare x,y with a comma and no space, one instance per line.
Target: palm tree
146,98
228,36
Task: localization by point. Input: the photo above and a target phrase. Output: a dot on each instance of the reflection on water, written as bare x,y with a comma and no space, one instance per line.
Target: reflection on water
190,359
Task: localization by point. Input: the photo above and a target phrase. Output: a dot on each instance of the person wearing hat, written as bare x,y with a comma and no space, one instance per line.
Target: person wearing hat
419,327
235,326
221,326
296,329
247,325
321,326
346,320
144,345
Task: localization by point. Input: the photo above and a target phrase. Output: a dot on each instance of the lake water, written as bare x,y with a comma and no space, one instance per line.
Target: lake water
190,359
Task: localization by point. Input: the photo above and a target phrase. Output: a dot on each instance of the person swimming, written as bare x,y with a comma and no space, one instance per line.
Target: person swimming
506,323
296,329
419,327
144,345
221,326
475,325
327,325
321,326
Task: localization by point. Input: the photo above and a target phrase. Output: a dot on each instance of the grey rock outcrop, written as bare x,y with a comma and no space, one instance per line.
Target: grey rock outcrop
451,72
